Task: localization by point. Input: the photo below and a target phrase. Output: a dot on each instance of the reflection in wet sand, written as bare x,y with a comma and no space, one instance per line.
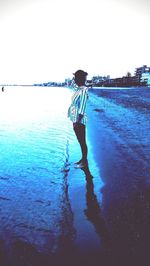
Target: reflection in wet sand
68,252
93,211
94,215
67,231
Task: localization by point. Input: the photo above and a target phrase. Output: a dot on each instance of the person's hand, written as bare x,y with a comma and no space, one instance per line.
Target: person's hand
79,118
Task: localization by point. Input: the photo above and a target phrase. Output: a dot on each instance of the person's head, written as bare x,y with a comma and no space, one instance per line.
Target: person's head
80,77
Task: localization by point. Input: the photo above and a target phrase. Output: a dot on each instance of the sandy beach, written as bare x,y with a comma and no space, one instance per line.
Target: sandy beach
59,215
122,149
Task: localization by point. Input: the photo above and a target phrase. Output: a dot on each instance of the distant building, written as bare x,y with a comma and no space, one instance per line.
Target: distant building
145,78
141,78
99,80
139,72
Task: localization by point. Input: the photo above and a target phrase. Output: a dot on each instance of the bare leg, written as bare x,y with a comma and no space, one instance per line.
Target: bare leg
80,132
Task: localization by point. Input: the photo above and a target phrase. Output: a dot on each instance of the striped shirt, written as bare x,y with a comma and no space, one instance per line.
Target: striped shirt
78,105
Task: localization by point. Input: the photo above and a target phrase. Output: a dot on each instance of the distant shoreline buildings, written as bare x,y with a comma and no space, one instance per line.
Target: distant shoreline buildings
141,78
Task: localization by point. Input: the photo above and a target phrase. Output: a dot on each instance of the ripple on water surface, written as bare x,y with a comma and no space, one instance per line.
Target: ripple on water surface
34,134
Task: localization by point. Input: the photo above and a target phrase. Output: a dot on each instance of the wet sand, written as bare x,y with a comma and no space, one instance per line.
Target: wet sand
121,144
105,208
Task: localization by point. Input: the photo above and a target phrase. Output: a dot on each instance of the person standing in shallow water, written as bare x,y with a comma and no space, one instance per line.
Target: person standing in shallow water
77,115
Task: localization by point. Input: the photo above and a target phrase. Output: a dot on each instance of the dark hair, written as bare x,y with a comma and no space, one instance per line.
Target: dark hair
80,77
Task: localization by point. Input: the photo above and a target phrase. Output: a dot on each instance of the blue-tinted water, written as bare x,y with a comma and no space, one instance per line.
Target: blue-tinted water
38,149
48,206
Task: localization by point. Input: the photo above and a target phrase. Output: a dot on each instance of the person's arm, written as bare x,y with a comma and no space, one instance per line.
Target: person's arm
83,101
82,104
79,118
73,85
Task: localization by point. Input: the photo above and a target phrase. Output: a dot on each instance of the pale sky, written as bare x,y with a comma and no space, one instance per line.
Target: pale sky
48,40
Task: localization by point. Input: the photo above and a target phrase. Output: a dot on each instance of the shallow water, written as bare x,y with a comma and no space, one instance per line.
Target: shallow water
38,149
46,205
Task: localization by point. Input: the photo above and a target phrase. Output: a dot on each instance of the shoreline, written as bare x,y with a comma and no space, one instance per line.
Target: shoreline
100,213
120,133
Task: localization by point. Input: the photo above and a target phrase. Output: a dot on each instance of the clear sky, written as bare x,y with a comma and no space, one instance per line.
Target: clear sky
47,40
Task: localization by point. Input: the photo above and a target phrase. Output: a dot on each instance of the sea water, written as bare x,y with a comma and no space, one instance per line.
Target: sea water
37,150
44,201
